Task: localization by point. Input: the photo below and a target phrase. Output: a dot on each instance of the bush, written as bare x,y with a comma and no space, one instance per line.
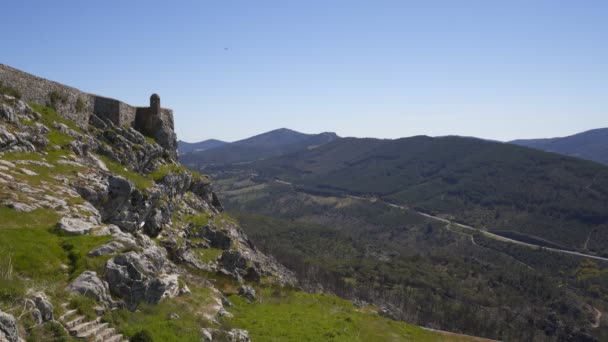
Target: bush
142,336
79,105
55,98
6,90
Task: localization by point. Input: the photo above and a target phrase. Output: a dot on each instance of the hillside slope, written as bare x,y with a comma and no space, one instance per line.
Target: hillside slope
538,196
590,145
266,145
103,235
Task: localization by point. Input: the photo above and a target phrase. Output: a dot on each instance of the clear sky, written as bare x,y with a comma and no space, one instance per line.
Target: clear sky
231,69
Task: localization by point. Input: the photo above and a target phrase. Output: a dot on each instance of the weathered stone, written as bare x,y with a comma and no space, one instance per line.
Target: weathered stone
107,249
8,328
234,335
75,226
207,335
247,292
138,277
44,306
89,284
7,113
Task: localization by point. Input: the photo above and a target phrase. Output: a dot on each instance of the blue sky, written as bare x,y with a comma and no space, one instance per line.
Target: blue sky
231,69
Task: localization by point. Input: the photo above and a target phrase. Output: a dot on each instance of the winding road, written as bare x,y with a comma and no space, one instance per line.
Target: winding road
478,230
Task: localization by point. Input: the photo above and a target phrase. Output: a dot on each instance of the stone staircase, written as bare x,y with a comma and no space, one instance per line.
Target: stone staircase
94,330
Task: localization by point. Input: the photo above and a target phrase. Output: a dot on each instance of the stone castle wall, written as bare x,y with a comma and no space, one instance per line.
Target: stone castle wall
78,106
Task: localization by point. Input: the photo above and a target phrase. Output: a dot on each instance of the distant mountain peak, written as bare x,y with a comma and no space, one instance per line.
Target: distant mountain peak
591,145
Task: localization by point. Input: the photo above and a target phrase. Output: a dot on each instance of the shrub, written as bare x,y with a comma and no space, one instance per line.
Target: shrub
6,90
55,98
79,105
142,336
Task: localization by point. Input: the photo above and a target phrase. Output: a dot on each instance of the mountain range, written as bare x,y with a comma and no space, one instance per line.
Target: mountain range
590,145
274,143
186,147
412,223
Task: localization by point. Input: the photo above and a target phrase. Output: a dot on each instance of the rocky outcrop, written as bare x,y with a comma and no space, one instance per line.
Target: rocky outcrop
247,292
142,276
8,328
234,335
44,307
107,249
89,284
128,187
77,226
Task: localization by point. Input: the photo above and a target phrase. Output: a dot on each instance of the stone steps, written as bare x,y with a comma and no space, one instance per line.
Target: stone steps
94,330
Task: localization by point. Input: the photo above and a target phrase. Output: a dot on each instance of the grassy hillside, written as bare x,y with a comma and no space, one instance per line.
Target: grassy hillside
38,253
501,187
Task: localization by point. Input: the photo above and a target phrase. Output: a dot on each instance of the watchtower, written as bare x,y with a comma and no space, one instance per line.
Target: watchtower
154,104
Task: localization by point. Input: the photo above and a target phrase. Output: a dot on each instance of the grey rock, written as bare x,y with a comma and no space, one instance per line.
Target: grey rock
89,284
36,316
75,226
8,328
232,260
107,249
207,335
239,335
44,306
22,207
184,290
137,277
234,335
217,238
226,302
7,113
247,292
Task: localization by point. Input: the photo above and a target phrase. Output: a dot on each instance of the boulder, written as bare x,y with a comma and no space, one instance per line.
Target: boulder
232,261
137,277
89,284
217,238
107,249
44,306
8,328
75,226
7,113
234,335
247,292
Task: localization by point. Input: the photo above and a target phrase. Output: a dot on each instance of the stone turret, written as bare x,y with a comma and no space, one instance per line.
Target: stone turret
154,104
157,123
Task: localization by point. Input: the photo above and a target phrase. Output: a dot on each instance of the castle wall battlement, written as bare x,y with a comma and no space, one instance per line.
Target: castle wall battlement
79,106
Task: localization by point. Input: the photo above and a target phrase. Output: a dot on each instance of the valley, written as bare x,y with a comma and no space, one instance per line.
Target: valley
399,224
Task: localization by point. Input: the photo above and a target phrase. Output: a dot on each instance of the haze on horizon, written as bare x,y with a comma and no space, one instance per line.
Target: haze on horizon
386,69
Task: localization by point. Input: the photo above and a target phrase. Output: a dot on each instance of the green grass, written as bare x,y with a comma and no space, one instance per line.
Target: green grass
140,182
57,138
77,247
285,315
156,318
84,305
44,173
207,255
37,218
49,115
160,173
199,220
36,252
